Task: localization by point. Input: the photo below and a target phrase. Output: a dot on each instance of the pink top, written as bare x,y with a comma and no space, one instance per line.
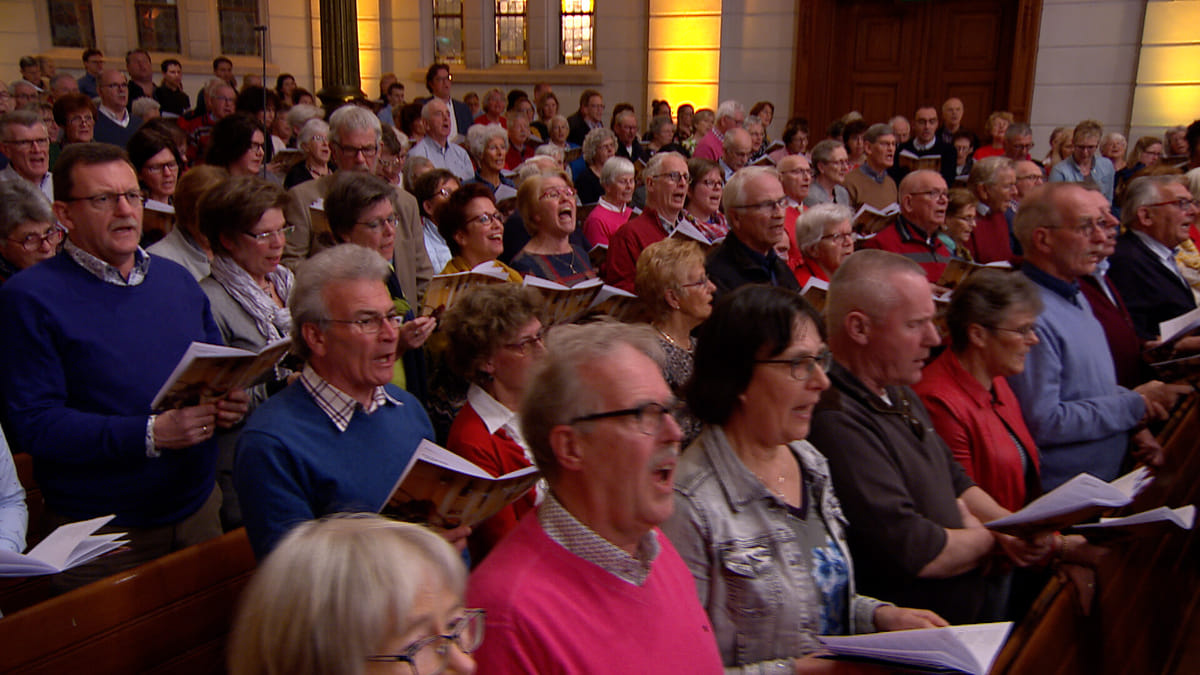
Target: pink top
603,222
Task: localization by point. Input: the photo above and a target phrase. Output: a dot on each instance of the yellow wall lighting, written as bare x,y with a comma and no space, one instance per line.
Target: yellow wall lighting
684,52
369,46
1168,79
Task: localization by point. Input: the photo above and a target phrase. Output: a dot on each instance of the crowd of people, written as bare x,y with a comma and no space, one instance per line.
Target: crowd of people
730,473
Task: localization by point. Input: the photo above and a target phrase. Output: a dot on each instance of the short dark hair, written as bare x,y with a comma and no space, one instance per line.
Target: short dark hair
984,297
250,100
853,128
426,186
219,60
27,61
432,72
138,50
515,96
794,126
586,96
350,194
90,52
235,206
168,63
479,323
754,321
147,142
452,215
83,154
395,85
231,138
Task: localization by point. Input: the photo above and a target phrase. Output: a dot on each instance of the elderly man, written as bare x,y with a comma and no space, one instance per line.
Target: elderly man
1018,142
436,145
90,336
338,438
1085,164
952,117
222,69
170,94
925,143
923,202
754,205
993,182
666,176
870,183
589,116
796,174
354,136
60,86
730,115
24,140
220,98
588,583
520,146
917,539
736,148
901,127
437,81
114,123
93,65
1079,416
23,93
625,126
141,74
1158,214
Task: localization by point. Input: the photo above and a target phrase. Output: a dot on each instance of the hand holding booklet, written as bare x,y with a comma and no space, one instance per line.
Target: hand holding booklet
207,372
969,649
1075,501
71,545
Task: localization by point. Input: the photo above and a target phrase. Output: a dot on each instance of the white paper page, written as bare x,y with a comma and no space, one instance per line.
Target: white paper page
1184,517
984,641
95,546
1134,482
56,548
935,647
17,565
1183,323
1082,491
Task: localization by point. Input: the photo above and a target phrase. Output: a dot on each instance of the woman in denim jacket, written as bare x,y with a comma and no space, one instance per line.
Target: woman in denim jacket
756,518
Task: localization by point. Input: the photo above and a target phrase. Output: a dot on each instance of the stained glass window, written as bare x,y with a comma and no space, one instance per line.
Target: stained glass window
577,24
238,18
71,23
510,32
447,31
158,25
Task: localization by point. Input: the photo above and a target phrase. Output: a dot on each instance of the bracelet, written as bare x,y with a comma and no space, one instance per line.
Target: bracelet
151,451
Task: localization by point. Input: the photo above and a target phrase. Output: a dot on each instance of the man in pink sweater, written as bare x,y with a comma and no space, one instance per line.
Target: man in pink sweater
588,583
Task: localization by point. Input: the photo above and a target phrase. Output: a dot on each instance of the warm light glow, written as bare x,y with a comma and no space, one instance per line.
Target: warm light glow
1164,106
1168,79
684,52
369,47
1176,64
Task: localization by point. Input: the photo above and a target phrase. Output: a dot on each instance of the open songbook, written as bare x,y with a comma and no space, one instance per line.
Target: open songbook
1174,330
870,220
564,304
207,372
958,269
1075,501
70,545
442,489
970,648
914,162
815,291
1146,523
445,289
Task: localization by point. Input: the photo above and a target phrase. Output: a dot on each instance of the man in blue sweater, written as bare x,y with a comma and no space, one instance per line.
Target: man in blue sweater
88,338
338,438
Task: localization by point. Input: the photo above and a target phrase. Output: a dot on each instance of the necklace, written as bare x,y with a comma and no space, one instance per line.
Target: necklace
667,336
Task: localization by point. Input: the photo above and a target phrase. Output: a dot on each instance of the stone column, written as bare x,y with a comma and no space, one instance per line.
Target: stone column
339,53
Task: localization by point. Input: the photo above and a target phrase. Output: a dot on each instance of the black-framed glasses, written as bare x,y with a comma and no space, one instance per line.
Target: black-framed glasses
370,325
487,219
374,225
526,343
30,143
769,205
712,184
804,367
263,237
165,167
1086,228
648,417
107,201
431,655
673,176
366,150
33,242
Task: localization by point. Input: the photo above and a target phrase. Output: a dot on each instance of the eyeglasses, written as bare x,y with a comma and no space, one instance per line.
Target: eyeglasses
1183,203
713,184
374,225
840,237
30,143
803,367
798,172
487,219
223,99
525,344
81,119
264,237
443,192
319,138
1025,332
558,193
165,167
703,282
650,418
935,195
1086,228
1035,177
389,163
34,242
431,655
370,325
674,177
769,205
107,201
257,147
366,150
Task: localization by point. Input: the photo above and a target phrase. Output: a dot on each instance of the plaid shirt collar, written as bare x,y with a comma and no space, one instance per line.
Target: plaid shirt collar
338,405
107,273
583,541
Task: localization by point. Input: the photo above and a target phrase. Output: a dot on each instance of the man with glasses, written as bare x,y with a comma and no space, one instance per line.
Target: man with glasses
93,64
589,116
870,183
436,145
1079,416
926,142
755,207
24,140
1158,215
666,176
337,439
587,583
220,99
1018,142
730,115
918,540
91,335
923,203
796,174
114,123
1085,165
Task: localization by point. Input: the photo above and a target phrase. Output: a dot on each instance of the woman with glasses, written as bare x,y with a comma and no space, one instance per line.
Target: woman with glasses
825,236
832,163
28,226
314,144
238,145
612,210
704,198
677,294
495,338
547,205
75,114
393,150
960,223
157,161
473,229
356,595
432,189
756,519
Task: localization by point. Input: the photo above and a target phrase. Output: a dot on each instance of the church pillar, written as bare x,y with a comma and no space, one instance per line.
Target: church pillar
339,52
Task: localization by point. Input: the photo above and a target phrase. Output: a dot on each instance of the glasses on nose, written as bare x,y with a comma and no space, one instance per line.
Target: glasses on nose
165,167
798,172
31,143
264,237
367,151
840,237
81,119
769,205
370,325
935,195
107,201
1026,332
257,147
525,344
804,367
1086,228
431,655
116,85
713,184
1183,204
487,219
374,225
34,242
558,193
649,418
703,282
674,176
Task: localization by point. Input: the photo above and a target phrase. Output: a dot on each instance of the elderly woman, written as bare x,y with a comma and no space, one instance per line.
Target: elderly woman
1084,166
157,162
29,232
494,105
662,135
758,135
993,181
765,112
75,114
756,519
547,204
314,143
960,223
612,210
1113,146
238,145
832,163
675,290
559,129
473,230
996,125
825,235
520,148
706,185
598,146
393,150
391,593
298,116
488,144
432,189
494,338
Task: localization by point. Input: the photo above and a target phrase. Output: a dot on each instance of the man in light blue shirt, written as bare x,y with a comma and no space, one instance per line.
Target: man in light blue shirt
436,146
14,516
1084,165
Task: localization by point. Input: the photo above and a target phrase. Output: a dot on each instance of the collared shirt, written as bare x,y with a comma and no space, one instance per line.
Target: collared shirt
605,204
669,225
877,177
1099,273
447,156
106,272
338,405
497,417
435,246
580,540
918,146
122,121
1165,256
46,185
1067,289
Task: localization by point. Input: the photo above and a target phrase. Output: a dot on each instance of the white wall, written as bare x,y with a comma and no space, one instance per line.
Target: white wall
757,55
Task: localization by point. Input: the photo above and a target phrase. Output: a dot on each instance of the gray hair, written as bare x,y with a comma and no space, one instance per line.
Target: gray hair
875,131
427,109
564,385
143,105
733,136
811,225
20,117
658,123
414,165
313,127
753,121
1017,130
23,83
656,162
479,135
593,140
623,114
735,189
301,113
214,83
984,171
550,150
344,262
334,590
535,166
1039,209
728,109
863,283
21,202
985,298
353,118
823,151
1193,182
1143,191
614,168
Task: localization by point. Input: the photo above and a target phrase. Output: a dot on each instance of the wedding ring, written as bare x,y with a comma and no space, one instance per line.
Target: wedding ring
204,429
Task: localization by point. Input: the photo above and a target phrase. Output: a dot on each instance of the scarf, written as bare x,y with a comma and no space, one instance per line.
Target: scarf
272,321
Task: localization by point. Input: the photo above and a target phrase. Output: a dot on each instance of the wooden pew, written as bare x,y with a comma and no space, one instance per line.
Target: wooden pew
171,615
19,593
